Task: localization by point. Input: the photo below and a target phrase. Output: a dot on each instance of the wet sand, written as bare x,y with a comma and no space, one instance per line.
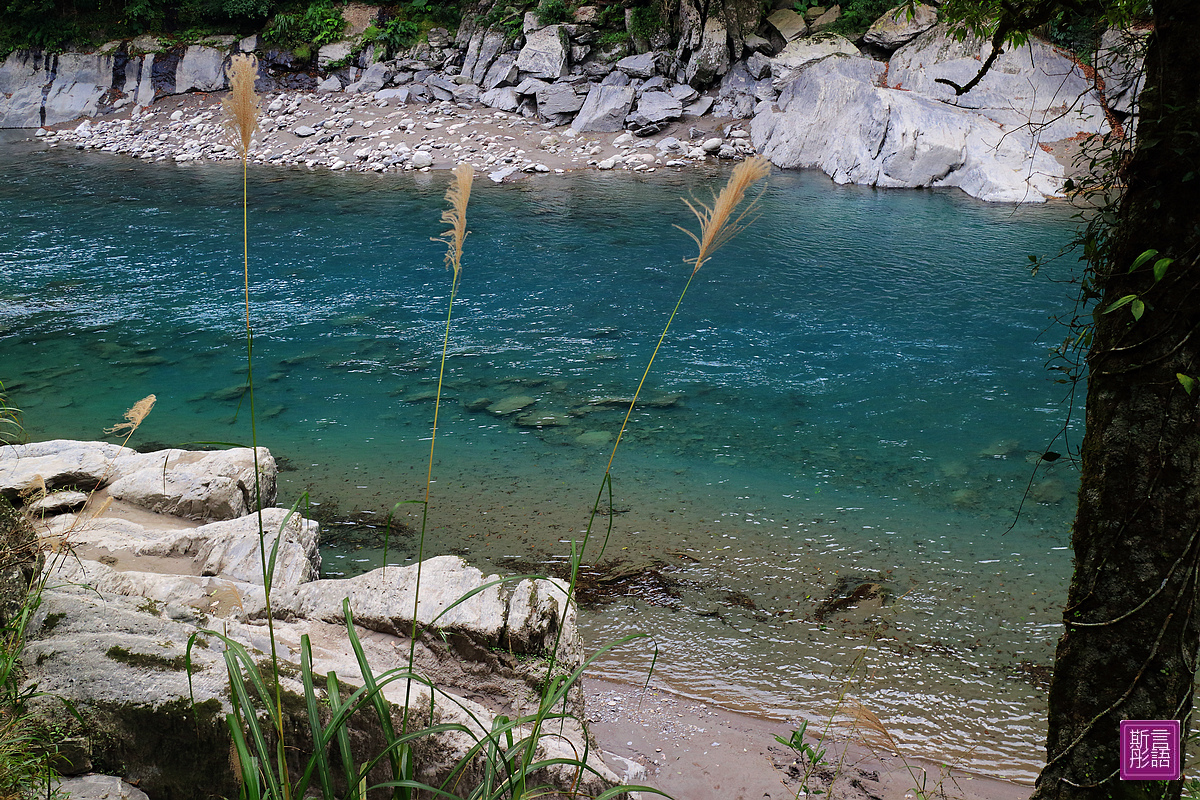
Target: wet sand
695,751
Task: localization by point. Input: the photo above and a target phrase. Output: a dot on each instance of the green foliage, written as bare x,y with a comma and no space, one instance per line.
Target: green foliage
58,25
613,37
812,757
552,12
143,15
645,21
25,748
318,24
1076,32
36,24
858,15
505,748
1137,305
206,15
1014,21
612,16
506,17
395,35
325,22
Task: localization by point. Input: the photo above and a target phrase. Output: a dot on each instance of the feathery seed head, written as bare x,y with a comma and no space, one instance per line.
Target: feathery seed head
457,196
869,729
717,223
241,107
134,416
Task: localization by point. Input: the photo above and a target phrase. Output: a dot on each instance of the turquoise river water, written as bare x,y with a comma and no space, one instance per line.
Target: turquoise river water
854,391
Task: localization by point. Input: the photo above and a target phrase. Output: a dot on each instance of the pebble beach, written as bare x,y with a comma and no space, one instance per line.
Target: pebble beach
362,133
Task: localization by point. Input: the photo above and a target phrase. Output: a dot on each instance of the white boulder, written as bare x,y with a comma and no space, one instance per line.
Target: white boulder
900,26
834,116
802,52
1033,90
788,24
557,98
545,53
196,484
202,69
604,109
1120,62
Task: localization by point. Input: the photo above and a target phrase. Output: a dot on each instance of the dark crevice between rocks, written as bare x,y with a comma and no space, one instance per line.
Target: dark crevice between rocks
52,71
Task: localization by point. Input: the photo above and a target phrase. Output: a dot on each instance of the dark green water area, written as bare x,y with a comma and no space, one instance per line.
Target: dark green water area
854,392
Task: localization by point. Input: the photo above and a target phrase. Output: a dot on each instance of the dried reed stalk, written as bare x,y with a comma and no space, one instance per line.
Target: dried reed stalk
134,416
241,107
717,223
457,196
870,729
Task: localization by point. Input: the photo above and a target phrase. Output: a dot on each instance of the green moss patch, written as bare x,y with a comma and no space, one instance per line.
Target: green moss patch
148,660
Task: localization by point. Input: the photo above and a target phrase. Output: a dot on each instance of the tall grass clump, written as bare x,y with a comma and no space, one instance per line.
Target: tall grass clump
26,750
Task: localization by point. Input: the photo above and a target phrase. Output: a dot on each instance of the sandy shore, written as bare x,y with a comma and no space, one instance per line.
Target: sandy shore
695,751
358,133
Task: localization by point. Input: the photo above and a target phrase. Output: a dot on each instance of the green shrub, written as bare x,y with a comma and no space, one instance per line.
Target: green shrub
205,15
1076,32
395,35
613,37
24,766
320,23
36,24
552,12
858,15
324,22
645,21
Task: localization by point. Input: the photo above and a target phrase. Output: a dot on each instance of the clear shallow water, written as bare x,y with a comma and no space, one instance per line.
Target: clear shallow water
853,391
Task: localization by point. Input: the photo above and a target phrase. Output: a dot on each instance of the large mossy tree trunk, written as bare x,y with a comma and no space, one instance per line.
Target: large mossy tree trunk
1132,633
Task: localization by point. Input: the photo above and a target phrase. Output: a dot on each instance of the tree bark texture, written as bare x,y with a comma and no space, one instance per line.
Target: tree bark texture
1132,634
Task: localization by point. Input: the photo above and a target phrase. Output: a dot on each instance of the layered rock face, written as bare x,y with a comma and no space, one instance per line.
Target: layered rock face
47,89
134,623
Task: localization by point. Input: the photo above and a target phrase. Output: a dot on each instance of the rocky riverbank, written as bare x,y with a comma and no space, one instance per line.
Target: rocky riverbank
348,133
555,97
125,628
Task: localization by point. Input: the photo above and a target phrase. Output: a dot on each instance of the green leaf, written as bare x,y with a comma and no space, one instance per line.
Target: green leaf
1124,301
1143,258
1188,383
1160,268
1138,308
